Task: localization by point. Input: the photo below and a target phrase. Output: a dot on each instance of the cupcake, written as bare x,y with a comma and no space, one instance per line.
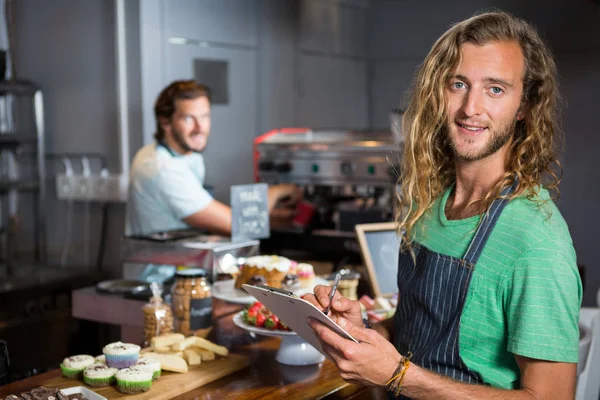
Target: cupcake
72,367
100,359
306,275
98,375
149,364
121,355
132,381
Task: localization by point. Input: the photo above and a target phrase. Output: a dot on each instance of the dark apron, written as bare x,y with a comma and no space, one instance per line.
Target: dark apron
432,295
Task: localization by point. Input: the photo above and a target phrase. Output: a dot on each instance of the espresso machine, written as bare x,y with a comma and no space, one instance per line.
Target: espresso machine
348,178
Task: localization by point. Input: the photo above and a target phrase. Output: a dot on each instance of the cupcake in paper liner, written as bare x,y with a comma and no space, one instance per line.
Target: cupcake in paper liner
99,375
73,366
101,359
149,364
132,381
121,355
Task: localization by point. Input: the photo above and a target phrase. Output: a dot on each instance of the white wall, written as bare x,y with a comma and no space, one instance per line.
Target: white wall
312,64
332,65
277,26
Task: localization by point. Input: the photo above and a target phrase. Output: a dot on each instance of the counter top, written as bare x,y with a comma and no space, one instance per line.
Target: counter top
265,378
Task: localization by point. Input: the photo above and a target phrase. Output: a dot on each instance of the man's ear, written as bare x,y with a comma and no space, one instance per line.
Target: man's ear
164,122
521,112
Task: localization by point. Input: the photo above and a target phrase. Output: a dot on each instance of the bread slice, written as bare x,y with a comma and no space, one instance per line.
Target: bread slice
208,345
191,357
205,355
168,350
166,340
169,362
184,344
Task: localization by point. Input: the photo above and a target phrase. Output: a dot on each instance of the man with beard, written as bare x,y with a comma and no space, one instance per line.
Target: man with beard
167,177
489,291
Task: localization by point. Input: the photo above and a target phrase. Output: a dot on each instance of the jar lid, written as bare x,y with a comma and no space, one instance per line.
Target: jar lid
347,274
191,273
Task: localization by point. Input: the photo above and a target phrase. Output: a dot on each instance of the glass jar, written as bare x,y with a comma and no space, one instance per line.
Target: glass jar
192,302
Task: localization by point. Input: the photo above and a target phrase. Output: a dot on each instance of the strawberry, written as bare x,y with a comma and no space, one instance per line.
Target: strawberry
283,326
272,322
250,316
256,306
260,320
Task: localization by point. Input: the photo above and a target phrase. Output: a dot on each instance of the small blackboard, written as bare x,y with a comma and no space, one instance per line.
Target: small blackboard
249,212
379,247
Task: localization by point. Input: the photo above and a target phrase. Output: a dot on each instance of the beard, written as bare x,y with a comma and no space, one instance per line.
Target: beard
180,140
498,138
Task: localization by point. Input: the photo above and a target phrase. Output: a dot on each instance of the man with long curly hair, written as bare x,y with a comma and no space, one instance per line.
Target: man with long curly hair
489,291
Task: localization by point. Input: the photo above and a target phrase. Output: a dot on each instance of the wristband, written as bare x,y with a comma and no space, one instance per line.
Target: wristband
394,385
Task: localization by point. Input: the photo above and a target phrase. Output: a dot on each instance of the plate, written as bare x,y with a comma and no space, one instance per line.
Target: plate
122,286
226,291
293,350
238,319
87,393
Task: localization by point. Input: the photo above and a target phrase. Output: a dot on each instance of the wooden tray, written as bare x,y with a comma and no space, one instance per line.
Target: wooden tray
170,384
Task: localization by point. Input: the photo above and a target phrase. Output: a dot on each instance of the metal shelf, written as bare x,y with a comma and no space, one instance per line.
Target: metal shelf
27,184
20,88
17,139
27,100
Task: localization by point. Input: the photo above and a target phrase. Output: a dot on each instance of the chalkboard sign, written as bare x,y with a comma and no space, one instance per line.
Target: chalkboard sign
379,246
249,212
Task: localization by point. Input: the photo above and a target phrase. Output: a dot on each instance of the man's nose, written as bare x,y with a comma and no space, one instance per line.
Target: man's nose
472,103
197,125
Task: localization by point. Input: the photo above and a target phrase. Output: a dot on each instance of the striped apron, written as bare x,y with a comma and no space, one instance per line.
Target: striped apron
432,296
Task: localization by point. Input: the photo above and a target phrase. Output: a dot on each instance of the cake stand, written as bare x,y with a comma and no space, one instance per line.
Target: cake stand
225,290
293,350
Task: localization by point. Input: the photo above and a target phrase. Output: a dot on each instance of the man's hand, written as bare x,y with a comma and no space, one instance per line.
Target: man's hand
341,307
285,194
370,362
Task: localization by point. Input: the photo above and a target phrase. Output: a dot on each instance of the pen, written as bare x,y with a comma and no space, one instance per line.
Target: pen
333,289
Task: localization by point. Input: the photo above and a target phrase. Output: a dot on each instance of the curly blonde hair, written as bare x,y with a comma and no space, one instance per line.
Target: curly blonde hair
428,162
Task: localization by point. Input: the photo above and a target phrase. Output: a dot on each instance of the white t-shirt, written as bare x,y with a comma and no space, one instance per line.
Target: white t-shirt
164,188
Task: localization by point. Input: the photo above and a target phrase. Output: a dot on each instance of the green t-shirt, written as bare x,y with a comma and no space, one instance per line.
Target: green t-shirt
525,292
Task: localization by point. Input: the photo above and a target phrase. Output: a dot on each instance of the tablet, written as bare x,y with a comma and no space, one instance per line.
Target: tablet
294,311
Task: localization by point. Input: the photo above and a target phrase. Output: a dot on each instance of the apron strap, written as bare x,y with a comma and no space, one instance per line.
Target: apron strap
487,225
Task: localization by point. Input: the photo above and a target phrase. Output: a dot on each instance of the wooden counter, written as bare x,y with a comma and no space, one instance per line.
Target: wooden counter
263,379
